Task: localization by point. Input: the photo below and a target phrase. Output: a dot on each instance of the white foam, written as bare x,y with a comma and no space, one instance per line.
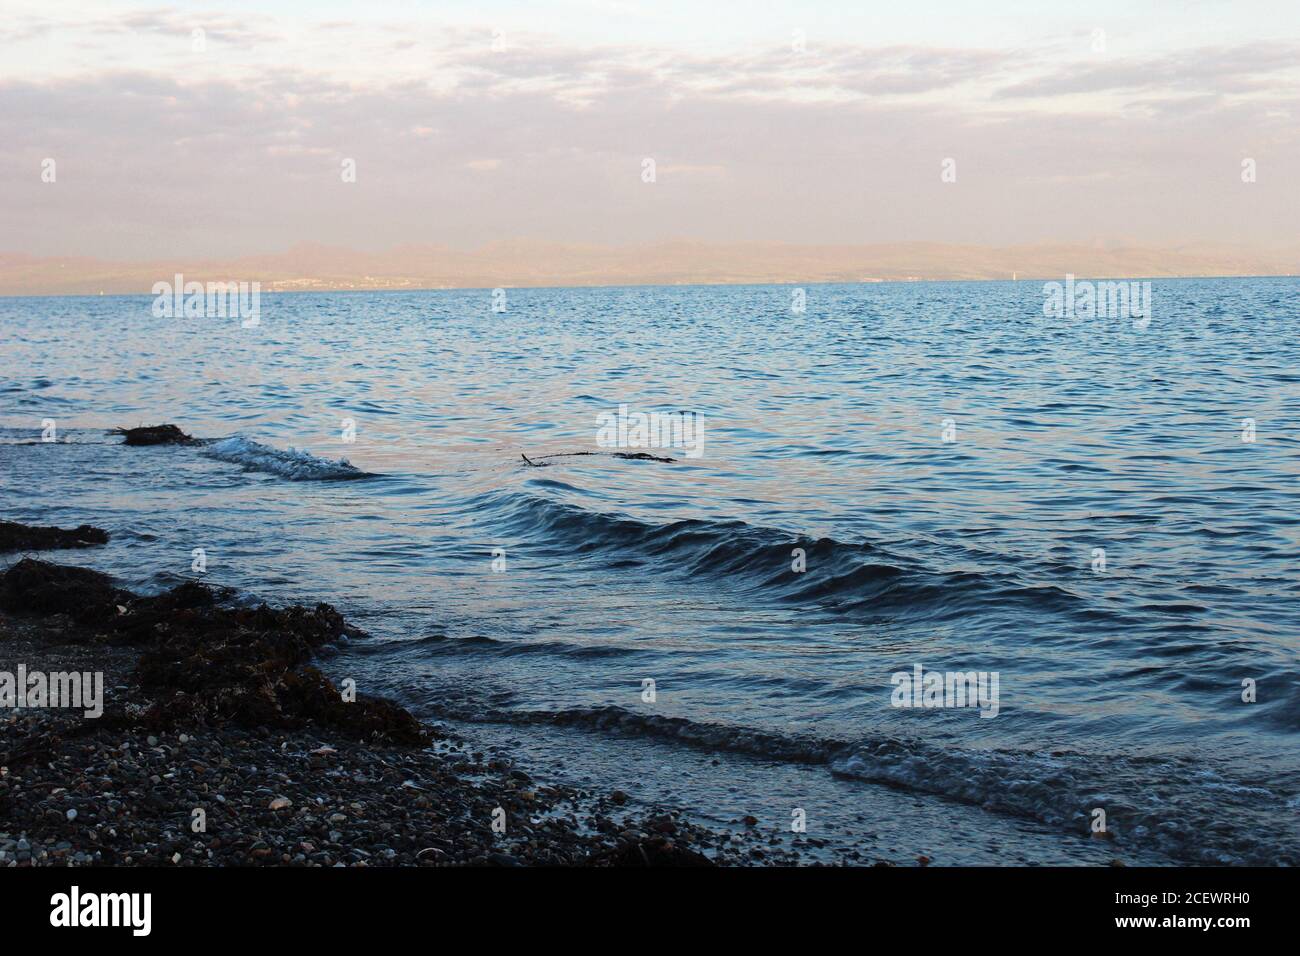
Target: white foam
289,463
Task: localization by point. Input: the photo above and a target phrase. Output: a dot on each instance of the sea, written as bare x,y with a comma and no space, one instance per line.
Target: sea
1099,516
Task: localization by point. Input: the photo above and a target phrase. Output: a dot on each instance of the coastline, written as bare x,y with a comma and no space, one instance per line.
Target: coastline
535,264
193,766
274,287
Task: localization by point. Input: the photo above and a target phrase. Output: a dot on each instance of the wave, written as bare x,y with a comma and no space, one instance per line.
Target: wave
478,644
1184,809
289,463
838,577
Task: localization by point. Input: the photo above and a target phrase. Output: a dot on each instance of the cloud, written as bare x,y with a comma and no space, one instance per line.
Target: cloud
1240,69
241,149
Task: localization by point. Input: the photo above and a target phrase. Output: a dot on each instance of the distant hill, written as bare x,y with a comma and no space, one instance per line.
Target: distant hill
519,263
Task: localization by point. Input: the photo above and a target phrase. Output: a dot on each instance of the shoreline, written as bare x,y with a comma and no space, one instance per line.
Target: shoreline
220,744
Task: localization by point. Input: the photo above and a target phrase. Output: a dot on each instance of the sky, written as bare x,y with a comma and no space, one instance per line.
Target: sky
999,122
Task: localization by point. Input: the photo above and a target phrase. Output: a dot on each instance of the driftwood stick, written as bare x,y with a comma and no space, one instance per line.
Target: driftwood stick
630,456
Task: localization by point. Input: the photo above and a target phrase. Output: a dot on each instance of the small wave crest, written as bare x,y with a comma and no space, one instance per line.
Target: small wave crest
837,577
287,463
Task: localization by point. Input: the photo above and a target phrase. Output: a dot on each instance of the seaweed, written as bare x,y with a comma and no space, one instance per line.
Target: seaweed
22,537
154,435
208,664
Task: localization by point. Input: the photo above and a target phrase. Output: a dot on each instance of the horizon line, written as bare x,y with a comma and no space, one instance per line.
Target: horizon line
1087,277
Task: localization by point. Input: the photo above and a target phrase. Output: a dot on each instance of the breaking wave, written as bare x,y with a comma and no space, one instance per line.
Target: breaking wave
287,463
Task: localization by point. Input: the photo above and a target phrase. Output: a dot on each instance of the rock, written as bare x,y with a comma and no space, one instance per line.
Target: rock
619,797
153,435
281,803
663,824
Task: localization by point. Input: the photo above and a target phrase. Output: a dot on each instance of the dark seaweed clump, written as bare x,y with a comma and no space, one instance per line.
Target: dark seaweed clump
155,435
22,537
208,664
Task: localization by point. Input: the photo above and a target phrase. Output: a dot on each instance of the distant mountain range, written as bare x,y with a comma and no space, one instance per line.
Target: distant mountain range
519,263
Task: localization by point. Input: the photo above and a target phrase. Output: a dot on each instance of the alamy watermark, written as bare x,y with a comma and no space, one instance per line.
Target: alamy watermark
1085,299
197,300
63,689
75,908
926,689
624,429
